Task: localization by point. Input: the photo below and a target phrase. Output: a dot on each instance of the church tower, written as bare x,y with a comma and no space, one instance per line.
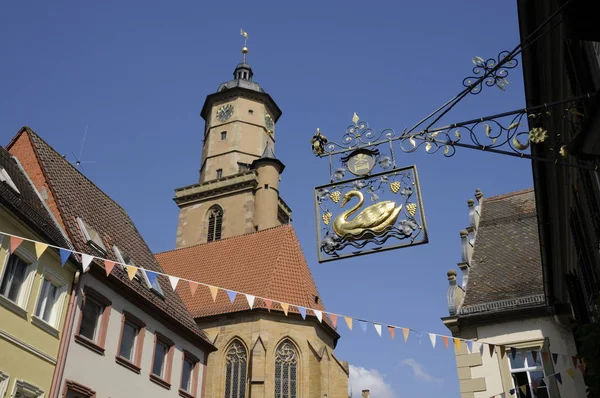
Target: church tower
238,188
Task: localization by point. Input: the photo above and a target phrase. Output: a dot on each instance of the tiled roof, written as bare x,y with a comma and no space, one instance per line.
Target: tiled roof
27,204
77,196
506,265
268,264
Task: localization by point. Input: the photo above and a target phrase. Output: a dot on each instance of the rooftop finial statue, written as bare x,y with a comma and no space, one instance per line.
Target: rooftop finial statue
244,49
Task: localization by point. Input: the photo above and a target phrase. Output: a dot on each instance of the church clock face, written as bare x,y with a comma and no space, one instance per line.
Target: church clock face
269,123
224,112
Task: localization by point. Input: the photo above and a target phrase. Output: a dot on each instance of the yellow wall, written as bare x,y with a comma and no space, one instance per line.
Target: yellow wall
28,351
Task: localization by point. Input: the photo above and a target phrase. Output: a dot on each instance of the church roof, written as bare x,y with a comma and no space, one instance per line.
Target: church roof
506,268
268,264
77,196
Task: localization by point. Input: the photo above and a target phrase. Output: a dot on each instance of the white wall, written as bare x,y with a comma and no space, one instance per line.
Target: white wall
109,379
507,333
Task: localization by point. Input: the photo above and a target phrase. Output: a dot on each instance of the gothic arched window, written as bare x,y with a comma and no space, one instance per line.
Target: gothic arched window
215,223
286,371
235,371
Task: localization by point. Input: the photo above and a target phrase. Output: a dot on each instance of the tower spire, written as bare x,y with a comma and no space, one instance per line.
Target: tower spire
244,49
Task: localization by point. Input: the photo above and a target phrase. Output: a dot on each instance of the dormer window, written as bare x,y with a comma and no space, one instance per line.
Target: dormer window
92,237
125,259
4,177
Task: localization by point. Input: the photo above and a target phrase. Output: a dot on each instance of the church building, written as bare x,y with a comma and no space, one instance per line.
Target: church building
234,232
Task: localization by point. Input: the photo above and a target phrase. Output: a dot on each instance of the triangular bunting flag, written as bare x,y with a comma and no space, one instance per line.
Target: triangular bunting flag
491,347
64,255
456,345
534,356
250,298
333,319
470,346
319,315
14,243
302,311
502,351
108,266
392,331
152,277
173,280
86,260
523,389
554,358
268,303
131,271
363,326
377,328
40,248
348,322
405,332
445,341
558,378
215,290
231,295
481,349
285,308
513,352
571,373
432,338
193,287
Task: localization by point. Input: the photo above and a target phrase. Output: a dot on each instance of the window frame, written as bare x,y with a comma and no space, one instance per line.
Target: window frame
85,229
19,307
223,135
243,377
52,325
24,387
98,344
297,368
5,177
4,379
528,370
163,380
193,376
120,255
138,345
216,232
219,173
71,385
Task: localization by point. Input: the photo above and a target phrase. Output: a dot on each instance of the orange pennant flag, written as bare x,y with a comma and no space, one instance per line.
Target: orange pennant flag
502,351
456,344
285,307
348,322
405,332
445,340
193,287
14,243
268,304
333,320
108,266
392,331
213,292
131,271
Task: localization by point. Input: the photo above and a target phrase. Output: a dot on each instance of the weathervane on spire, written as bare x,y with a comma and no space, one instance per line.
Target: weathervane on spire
244,49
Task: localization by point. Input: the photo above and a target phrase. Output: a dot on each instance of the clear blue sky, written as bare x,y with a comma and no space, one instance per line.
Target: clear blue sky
137,73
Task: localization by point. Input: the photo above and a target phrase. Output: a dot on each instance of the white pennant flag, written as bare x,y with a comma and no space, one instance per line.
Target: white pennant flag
432,338
377,328
319,315
86,260
250,299
174,281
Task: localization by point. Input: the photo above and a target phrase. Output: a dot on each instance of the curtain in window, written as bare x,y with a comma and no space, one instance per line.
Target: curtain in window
235,371
286,372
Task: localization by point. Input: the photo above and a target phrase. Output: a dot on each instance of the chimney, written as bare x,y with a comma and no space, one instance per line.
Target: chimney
366,394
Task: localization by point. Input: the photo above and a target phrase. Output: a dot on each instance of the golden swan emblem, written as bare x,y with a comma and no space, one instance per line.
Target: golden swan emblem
377,218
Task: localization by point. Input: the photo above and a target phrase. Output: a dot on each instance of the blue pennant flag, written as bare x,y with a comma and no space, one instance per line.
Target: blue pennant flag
64,256
558,378
231,295
152,276
302,312
363,325
470,345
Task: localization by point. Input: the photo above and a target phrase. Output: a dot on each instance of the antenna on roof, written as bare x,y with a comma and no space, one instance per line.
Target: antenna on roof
78,162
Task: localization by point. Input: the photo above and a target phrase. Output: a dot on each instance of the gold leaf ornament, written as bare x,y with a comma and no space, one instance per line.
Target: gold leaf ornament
355,118
395,186
411,208
335,196
326,218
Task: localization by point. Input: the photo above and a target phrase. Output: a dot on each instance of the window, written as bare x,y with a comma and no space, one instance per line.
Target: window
93,321
189,375
215,223
219,173
3,383
286,371
162,361
235,371
16,280
524,371
131,342
4,177
91,236
75,390
250,111
50,302
243,167
223,135
26,390
14,276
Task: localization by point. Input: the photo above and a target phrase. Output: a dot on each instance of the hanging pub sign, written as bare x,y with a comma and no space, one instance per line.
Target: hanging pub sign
370,205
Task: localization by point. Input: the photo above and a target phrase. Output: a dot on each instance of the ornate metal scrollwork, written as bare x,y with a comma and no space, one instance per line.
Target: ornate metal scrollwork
495,71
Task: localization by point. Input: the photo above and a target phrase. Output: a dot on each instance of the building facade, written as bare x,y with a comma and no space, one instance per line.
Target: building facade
129,335
501,301
234,233
35,287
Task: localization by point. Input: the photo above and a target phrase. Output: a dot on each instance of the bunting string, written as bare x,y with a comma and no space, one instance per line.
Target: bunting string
86,260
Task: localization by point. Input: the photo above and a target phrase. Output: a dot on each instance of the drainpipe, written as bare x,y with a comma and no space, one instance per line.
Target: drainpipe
63,347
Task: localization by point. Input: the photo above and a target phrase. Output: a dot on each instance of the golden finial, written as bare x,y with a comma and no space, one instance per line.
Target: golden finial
244,49
355,118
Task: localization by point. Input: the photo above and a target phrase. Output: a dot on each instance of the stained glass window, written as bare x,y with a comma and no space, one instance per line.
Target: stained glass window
215,222
235,371
286,371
